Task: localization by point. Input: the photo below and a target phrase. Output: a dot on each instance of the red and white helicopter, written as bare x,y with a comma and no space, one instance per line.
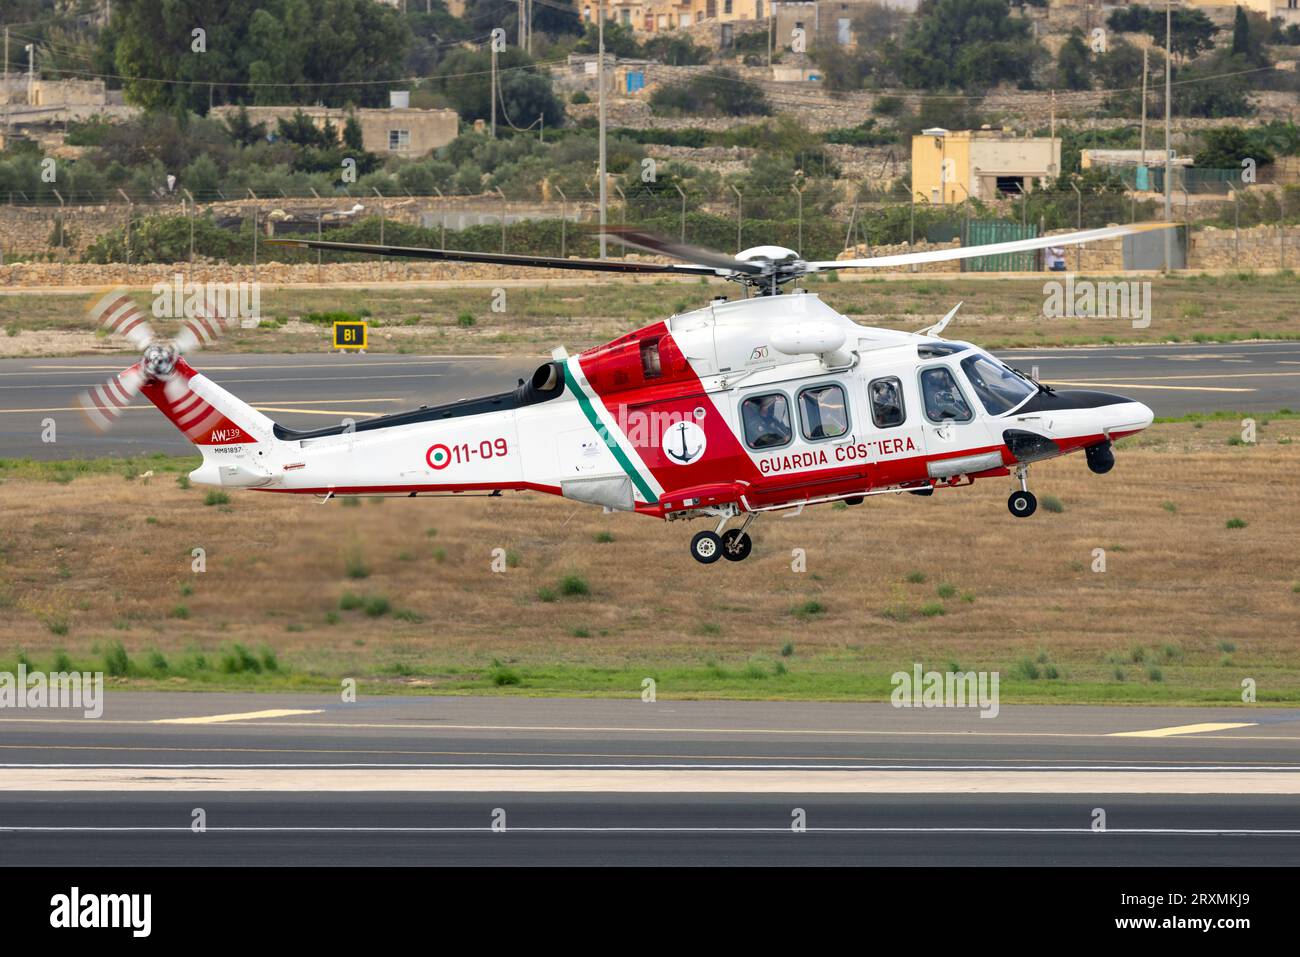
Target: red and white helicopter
725,412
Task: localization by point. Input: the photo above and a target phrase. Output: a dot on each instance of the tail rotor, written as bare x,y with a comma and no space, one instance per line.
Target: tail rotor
119,316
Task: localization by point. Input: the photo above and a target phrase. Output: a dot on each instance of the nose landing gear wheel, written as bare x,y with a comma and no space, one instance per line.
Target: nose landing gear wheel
706,548
736,545
1022,504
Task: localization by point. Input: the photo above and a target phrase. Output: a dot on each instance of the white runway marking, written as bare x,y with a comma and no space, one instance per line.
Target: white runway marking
242,716
677,766
641,729
647,829
647,781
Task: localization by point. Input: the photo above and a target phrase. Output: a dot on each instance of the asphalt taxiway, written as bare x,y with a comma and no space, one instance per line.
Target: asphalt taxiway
283,779
317,389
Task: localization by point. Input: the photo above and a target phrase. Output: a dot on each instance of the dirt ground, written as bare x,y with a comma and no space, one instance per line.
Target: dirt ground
1185,609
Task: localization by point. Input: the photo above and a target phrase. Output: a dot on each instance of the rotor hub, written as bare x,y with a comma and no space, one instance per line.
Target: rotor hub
159,360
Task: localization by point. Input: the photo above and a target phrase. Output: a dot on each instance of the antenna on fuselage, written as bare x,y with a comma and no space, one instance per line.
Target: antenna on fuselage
934,330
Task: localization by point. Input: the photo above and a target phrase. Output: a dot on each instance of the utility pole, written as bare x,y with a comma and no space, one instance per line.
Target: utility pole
771,27
600,97
493,45
5,77
1169,166
31,72
1145,51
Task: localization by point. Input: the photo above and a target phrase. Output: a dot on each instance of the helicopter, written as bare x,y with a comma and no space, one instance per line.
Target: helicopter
768,403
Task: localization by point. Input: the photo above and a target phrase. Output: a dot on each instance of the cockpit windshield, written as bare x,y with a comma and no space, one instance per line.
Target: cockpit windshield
999,388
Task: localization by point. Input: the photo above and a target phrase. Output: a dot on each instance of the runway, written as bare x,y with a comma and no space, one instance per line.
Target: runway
313,390
287,779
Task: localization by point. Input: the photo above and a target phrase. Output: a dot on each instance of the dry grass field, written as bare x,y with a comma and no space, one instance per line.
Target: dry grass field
998,313
96,572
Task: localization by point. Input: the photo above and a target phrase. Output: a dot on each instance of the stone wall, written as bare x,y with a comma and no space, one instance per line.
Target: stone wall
26,230
1261,247
273,274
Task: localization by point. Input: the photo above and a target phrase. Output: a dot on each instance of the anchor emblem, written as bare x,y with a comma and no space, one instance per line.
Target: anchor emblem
683,436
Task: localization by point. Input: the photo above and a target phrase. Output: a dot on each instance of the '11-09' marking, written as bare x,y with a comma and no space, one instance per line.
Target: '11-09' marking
440,456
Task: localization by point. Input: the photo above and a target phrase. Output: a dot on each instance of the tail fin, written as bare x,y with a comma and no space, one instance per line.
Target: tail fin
205,412
233,436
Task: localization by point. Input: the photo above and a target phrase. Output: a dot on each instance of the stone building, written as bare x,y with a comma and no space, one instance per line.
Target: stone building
397,130
948,166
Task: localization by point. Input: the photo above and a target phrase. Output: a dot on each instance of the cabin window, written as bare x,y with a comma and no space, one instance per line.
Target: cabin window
886,402
943,399
650,365
767,420
824,412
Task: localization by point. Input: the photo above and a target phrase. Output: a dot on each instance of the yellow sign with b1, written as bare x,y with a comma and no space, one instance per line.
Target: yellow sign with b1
350,335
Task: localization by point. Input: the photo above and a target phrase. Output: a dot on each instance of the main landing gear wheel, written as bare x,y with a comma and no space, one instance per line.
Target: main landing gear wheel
736,545
1022,504
706,548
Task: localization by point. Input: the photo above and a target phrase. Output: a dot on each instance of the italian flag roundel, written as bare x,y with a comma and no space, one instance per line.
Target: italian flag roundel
439,457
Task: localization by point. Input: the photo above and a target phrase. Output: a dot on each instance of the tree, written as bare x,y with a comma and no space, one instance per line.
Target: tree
970,44
525,93
262,51
242,130
1072,63
1240,33
619,41
717,92
352,137
675,50
1227,146
1120,67
1191,33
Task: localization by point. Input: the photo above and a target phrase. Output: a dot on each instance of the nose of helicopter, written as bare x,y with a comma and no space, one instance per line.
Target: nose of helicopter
1128,416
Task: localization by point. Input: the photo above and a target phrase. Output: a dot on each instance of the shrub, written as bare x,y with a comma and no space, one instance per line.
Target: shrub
116,661
808,609
216,497
237,659
355,565
1027,668
573,585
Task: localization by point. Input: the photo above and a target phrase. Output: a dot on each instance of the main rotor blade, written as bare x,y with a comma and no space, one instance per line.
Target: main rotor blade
663,246
503,259
991,249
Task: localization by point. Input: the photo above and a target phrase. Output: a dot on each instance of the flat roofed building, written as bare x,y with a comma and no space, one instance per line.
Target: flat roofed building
949,165
400,131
